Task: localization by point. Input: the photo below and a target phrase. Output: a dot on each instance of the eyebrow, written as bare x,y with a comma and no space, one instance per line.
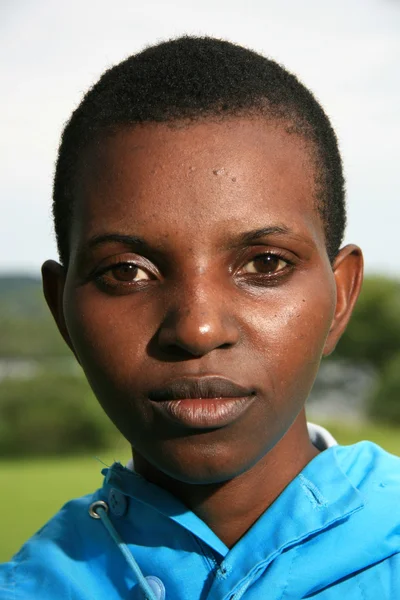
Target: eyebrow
107,238
255,234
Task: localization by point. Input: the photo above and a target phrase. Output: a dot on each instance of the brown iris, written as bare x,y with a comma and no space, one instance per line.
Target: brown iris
265,263
125,272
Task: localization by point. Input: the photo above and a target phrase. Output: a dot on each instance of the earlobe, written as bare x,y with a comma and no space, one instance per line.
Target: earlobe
348,272
53,278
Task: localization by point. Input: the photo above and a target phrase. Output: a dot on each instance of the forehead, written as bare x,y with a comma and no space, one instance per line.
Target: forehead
203,179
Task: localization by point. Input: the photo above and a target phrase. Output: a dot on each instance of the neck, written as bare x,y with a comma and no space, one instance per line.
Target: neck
232,507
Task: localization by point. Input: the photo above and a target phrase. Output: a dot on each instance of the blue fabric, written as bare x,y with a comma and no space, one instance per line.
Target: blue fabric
334,533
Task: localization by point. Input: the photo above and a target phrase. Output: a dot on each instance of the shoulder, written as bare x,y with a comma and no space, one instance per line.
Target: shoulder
369,467
375,474
52,563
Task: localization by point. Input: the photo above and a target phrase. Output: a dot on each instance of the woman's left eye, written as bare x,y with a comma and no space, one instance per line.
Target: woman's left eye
265,264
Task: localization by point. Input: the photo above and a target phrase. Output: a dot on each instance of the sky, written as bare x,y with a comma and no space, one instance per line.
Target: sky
346,51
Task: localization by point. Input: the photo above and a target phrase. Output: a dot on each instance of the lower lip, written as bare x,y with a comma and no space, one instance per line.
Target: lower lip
204,413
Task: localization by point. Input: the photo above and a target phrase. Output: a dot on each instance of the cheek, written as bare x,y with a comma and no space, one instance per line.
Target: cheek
289,331
108,335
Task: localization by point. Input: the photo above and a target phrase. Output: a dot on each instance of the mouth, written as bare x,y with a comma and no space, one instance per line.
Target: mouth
201,402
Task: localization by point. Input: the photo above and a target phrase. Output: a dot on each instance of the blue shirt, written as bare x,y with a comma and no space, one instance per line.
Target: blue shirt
333,533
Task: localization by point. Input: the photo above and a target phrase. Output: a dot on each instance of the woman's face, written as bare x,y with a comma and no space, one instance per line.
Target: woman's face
199,295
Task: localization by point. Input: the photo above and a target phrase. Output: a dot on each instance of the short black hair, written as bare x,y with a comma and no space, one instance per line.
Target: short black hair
194,78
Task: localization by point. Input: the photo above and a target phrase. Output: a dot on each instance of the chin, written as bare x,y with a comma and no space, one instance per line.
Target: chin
205,465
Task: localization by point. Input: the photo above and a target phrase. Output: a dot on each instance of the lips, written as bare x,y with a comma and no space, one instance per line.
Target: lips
201,403
199,388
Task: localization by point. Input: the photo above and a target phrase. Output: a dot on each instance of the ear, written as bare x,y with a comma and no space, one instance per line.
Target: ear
348,272
53,278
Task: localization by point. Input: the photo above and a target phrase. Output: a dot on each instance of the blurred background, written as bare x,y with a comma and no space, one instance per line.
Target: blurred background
347,52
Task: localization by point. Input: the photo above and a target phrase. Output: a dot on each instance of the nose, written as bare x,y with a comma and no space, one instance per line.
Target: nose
198,321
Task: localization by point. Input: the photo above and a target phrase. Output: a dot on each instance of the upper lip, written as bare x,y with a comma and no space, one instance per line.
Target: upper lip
199,387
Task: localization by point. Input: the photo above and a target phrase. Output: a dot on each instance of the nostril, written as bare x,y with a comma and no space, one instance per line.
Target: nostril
180,352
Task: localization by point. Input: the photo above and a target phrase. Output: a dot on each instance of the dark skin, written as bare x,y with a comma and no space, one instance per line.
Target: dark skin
201,294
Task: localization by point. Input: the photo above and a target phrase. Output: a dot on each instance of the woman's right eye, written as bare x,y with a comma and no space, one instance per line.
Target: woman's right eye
123,273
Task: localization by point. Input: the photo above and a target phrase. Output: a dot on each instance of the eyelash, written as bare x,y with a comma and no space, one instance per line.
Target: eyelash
263,279
255,278
99,276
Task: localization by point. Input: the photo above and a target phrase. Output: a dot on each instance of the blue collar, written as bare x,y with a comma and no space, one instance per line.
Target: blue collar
320,496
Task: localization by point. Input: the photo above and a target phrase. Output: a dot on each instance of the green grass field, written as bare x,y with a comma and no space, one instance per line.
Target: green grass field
33,490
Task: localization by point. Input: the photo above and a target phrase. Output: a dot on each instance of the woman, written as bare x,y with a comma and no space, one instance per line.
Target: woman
199,212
